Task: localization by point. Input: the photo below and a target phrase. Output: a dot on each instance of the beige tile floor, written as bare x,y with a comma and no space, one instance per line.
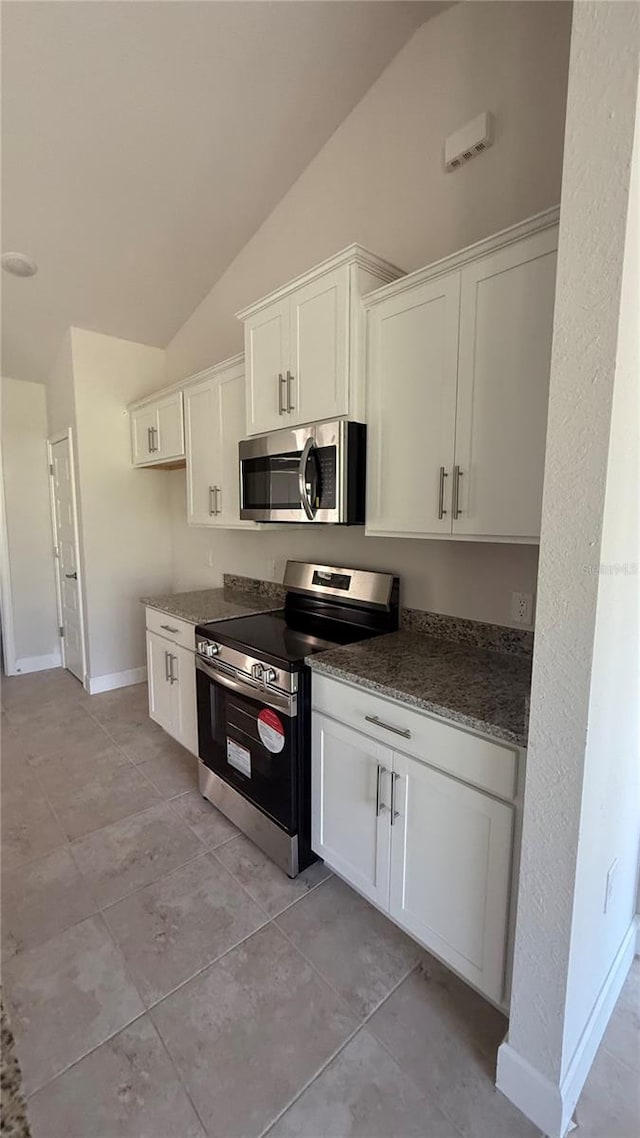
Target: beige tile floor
165,980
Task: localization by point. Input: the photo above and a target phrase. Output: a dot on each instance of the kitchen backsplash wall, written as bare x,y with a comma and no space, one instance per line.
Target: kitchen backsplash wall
458,578
380,181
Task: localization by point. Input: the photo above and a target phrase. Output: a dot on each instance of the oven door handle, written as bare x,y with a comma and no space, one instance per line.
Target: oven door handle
288,705
305,501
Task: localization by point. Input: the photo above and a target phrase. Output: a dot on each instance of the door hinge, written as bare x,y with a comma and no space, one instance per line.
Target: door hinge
50,468
62,630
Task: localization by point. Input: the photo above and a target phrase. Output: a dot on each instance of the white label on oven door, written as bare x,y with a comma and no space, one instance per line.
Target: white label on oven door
238,757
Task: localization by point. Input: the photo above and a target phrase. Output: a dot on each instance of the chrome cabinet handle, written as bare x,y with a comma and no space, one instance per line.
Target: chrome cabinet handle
151,433
167,667
388,727
212,500
218,500
394,813
281,406
441,509
455,498
149,447
290,406
168,628
380,805
305,501
172,679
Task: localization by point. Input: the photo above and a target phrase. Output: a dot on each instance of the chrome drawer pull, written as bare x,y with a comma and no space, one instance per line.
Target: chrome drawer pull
168,628
387,726
441,509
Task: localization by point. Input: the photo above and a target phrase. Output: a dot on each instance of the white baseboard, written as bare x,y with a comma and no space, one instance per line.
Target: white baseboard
547,1105
37,664
96,684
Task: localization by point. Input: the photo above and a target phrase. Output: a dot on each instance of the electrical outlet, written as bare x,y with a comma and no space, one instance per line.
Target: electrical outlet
522,608
608,890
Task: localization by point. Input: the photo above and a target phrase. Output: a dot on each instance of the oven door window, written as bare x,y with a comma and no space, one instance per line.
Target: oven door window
272,482
251,747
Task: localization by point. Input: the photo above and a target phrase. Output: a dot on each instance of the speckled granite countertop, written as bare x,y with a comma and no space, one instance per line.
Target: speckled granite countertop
204,605
477,688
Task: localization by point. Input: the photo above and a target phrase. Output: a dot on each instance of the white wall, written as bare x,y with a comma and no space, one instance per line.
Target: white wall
581,801
610,816
32,600
125,534
124,521
379,180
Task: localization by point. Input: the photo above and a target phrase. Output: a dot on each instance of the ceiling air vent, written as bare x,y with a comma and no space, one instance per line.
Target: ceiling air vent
470,140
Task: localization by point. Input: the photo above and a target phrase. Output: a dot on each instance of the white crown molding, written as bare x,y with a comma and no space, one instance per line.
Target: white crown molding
536,224
353,254
233,362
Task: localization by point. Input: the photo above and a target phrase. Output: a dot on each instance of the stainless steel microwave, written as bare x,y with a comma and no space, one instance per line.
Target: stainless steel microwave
310,474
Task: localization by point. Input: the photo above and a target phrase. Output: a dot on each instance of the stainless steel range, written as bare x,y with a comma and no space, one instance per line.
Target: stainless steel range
254,700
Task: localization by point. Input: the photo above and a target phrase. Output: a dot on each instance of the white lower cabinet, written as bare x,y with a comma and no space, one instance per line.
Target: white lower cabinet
432,852
350,776
171,673
450,870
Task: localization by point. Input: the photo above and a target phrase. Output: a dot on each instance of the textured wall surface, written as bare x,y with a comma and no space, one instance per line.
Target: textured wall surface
595,191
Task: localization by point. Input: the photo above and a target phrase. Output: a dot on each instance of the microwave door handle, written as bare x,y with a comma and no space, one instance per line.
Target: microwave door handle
305,501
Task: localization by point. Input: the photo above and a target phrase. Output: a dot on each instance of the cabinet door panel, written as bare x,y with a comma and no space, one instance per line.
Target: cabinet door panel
319,323
506,325
266,340
345,829
450,871
231,397
183,669
142,421
411,406
170,427
162,698
202,423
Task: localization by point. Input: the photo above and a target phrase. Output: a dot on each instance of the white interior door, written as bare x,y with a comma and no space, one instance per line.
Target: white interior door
68,570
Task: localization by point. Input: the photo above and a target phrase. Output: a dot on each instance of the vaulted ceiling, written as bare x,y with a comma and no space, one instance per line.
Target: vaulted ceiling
144,143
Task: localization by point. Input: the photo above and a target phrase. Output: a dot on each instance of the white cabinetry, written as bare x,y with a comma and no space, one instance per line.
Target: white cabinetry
350,776
214,425
157,430
458,360
433,853
303,344
171,676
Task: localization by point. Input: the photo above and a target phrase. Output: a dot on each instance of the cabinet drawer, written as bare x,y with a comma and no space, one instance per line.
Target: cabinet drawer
474,760
172,628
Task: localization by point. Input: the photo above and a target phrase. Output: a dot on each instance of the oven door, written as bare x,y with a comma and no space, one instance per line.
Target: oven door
250,738
294,476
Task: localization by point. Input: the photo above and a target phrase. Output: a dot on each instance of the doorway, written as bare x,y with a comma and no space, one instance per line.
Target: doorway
67,553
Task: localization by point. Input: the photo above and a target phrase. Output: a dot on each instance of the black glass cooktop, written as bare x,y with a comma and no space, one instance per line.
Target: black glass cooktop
286,637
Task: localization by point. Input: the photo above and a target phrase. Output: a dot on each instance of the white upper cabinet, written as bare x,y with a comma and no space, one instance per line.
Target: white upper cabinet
303,344
458,360
214,423
506,325
411,408
157,430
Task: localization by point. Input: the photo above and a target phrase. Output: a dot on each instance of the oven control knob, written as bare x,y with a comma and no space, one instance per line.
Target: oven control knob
269,675
211,649
257,671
